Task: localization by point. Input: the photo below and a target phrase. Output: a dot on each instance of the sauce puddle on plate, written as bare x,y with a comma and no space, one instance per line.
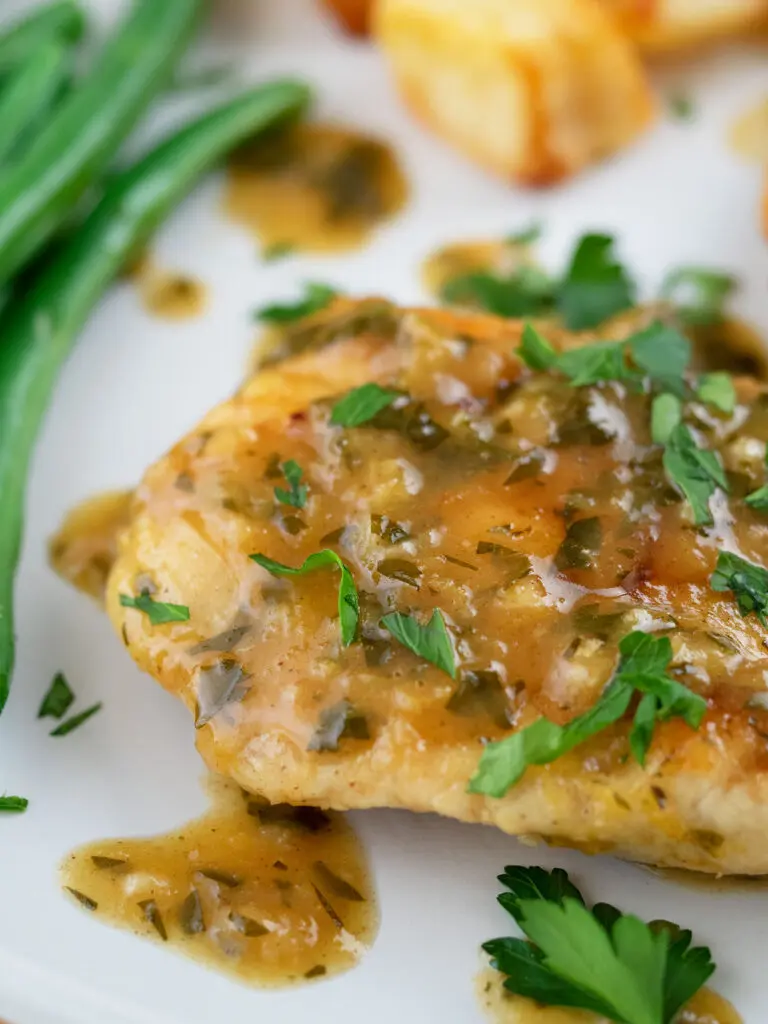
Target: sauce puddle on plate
442,270
270,894
315,188
503,1007
85,546
748,134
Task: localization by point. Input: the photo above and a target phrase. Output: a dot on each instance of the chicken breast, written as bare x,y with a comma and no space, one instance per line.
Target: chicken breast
462,497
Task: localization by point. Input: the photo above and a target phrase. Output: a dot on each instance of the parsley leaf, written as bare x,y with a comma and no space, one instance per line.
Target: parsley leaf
535,351
695,471
747,582
349,606
277,251
605,360
430,642
13,804
681,106
601,960
58,698
316,297
717,389
527,236
503,764
661,353
642,727
595,286
361,404
758,499
666,414
296,497
70,724
159,612
643,666
529,291
529,976
698,294
658,352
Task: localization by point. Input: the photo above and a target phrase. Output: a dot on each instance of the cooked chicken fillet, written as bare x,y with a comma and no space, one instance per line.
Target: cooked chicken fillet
457,497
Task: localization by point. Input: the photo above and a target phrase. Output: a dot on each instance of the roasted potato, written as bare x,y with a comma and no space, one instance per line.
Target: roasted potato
355,15
670,25
532,89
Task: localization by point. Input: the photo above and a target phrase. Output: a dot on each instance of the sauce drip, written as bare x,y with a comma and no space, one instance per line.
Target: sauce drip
270,894
171,296
501,257
84,549
317,188
502,1007
748,135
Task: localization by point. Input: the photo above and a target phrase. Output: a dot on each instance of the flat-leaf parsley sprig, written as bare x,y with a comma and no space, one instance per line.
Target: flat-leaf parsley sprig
597,959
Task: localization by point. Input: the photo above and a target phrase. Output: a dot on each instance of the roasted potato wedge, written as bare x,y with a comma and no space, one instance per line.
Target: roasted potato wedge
670,25
534,90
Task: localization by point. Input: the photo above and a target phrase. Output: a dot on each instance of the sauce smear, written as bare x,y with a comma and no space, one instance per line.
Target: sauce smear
85,546
270,894
316,188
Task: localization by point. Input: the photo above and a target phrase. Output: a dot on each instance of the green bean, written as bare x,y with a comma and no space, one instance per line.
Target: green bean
29,91
39,329
38,192
63,21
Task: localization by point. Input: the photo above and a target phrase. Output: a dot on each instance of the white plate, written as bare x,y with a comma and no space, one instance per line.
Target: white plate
132,387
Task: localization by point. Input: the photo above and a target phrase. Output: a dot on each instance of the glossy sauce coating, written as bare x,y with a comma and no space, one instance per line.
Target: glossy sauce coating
269,894
463,496
502,1007
314,188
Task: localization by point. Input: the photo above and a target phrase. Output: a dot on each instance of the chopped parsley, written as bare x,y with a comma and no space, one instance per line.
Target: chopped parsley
642,668
699,295
746,581
70,724
681,106
758,499
158,612
277,251
659,352
595,286
430,642
361,404
528,291
598,959
57,700
717,389
316,297
296,495
13,804
666,414
349,605
695,471
527,236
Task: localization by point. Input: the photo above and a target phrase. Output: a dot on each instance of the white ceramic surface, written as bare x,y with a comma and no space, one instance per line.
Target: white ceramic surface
134,385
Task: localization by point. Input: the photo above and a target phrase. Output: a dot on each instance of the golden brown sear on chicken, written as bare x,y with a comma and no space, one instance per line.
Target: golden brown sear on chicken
521,525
